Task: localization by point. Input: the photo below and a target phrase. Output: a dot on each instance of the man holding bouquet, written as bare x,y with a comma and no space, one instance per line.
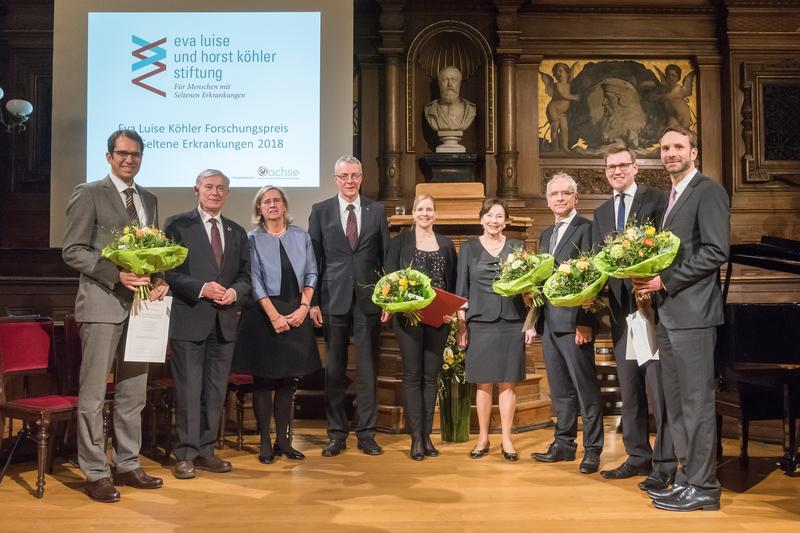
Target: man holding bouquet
634,203
690,308
105,296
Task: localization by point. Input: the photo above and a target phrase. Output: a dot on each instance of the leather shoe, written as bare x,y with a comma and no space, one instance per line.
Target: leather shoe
590,463
478,453
669,492
690,499
417,452
626,470
102,490
555,452
212,464
510,456
184,470
333,448
369,446
657,481
137,479
430,449
288,451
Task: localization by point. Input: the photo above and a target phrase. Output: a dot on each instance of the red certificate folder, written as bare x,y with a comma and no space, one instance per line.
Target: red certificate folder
445,303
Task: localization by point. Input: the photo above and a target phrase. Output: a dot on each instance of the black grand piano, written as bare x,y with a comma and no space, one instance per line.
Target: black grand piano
758,350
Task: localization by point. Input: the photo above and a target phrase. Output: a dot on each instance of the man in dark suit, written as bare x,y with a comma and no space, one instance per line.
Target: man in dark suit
689,304
567,339
208,290
637,203
350,237
105,295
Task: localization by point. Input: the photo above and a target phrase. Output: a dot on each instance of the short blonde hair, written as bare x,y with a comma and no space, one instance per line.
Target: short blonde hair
258,219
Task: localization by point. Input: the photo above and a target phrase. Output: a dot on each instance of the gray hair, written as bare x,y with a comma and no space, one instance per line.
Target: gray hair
347,160
207,173
563,176
258,219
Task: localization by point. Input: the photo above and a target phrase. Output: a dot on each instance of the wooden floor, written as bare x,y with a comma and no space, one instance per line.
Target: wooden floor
356,493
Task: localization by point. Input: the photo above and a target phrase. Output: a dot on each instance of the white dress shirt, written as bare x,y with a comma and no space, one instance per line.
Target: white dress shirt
343,213
629,193
681,186
137,201
566,221
206,218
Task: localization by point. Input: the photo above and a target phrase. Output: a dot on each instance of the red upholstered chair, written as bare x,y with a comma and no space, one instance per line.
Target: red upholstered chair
240,384
27,347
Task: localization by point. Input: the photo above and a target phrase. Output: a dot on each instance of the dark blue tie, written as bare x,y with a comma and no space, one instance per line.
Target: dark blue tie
621,212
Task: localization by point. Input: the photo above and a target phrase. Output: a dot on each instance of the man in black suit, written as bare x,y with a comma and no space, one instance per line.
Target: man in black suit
638,203
208,290
567,339
689,310
350,237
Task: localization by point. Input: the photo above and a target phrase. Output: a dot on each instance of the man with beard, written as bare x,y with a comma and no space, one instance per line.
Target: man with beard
450,112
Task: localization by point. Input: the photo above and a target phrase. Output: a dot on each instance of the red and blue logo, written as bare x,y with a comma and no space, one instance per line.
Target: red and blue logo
157,53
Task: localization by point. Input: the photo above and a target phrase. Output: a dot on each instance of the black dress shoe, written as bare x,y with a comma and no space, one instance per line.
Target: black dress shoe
690,499
669,492
417,448
212,464
184,470
102,490
288,451
626,470
369,446
334,448
478,453
510,456
590,463
657,481
137,478
555,452
430,449
266,459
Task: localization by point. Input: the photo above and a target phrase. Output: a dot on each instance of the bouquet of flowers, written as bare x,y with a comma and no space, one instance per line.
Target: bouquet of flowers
453,366
453,395
143,251
638,251
524,272
575,282
405,291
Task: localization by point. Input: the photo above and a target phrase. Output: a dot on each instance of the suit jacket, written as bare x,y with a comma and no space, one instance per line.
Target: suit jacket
401,255
701,219
647,204
94,210
193,317
342,271
576,238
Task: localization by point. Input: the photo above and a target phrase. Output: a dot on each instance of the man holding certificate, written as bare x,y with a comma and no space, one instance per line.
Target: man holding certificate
105,297
208,290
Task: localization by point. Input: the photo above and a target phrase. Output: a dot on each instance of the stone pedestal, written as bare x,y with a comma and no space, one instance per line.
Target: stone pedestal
450,167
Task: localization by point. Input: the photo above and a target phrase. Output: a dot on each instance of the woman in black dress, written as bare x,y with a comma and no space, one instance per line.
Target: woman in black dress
493,334
422,346
276,342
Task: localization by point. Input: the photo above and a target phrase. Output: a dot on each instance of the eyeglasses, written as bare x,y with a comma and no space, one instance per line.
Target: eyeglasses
126,155
623,167
355,176
565,194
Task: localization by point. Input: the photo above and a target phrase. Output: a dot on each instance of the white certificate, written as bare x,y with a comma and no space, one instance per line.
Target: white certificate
148,332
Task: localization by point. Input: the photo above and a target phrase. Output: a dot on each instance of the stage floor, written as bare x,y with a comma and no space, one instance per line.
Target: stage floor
356,493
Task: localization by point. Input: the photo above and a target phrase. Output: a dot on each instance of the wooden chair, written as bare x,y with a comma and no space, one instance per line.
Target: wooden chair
240,385
27,347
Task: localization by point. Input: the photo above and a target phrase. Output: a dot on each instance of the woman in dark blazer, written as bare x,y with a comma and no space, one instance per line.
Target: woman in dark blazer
422,346
493,334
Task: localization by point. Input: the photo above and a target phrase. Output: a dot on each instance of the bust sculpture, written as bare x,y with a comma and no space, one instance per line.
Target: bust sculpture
450,115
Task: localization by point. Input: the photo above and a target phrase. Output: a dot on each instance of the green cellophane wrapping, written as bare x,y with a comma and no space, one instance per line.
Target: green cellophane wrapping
528,283
146,261
428,294
649,267
572,300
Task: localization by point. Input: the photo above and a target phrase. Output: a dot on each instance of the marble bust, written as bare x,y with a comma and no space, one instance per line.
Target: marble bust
450,115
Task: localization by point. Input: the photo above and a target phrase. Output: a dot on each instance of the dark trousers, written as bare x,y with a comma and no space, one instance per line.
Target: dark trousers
637,384
200,371
421,348
365,337
687,370
282,407
573,389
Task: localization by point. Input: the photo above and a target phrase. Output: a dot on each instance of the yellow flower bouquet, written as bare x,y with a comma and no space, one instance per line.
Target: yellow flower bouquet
574,283
524,272
638,251
405,291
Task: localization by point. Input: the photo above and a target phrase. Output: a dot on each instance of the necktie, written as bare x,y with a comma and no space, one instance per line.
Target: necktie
351,231
672,197
216,242
554,238
621,212
130,208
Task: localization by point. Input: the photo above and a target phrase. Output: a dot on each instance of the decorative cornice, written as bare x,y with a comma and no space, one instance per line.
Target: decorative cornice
592,181
630,9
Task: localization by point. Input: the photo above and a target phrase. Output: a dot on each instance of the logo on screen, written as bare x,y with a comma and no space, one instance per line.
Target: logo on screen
154,59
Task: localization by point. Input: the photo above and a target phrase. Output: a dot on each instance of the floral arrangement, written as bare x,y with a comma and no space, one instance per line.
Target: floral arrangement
575,282
524,272
637,251
405,291
453,365
143,251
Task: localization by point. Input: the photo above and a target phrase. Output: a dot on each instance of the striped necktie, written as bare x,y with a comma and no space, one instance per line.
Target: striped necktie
130,207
